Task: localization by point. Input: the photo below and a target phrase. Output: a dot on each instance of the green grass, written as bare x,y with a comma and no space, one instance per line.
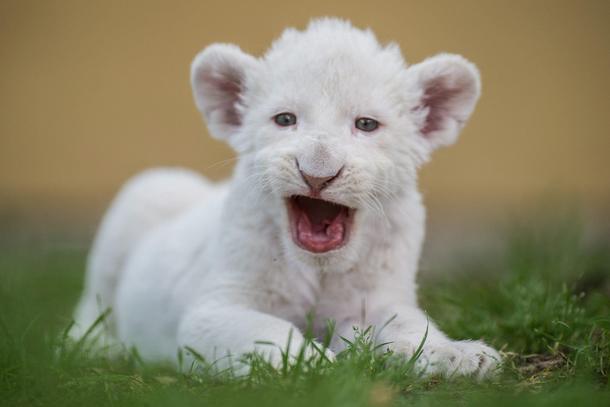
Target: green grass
545,303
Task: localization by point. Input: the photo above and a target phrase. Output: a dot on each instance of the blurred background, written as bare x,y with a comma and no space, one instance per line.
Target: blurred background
91,92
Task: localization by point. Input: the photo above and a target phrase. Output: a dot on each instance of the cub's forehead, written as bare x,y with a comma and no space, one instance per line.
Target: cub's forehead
330,57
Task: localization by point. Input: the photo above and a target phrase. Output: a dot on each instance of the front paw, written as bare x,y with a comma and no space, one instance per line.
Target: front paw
278,356
459,358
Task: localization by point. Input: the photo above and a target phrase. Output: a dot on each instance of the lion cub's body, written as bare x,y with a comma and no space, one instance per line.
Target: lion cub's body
219,268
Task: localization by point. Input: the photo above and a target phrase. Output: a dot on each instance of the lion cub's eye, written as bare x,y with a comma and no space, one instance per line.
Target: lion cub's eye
285,119
367,124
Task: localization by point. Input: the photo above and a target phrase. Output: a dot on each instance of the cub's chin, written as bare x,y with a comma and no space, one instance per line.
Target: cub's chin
319,226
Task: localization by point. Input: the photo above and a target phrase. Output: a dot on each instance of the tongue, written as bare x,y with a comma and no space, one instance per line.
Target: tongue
322,235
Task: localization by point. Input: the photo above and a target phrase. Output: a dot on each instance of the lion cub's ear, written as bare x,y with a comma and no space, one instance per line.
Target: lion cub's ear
218,75
447,88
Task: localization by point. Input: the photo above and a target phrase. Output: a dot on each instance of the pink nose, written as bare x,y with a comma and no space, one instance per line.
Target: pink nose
318,183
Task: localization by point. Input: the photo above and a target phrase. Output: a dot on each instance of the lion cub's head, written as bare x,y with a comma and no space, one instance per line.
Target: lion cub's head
333,124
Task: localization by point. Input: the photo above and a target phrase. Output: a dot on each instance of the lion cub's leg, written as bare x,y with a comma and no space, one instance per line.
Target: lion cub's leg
222,334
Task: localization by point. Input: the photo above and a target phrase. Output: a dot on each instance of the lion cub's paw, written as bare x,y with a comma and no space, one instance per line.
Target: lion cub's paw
459,358
307,352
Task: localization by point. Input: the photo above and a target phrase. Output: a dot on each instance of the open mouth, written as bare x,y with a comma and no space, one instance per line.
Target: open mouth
317,225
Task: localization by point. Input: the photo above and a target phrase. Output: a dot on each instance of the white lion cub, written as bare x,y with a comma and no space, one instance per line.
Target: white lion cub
322,214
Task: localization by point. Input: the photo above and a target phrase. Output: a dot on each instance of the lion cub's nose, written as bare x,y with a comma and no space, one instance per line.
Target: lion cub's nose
318,183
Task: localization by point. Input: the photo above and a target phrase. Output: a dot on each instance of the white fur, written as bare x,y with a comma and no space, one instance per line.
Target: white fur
183,262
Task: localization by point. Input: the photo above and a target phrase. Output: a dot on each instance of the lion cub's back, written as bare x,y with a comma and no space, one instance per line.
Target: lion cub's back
163,275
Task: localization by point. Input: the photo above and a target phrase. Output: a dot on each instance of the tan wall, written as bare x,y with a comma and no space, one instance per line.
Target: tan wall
93,91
